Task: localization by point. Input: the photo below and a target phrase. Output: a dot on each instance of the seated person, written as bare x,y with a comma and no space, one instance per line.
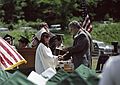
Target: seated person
9,39
35,42
23,42
59,44
56,44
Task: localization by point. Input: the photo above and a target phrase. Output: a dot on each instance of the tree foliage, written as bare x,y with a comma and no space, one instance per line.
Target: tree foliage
57,11
106,32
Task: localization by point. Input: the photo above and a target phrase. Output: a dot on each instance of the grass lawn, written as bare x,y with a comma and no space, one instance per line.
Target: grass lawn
94,62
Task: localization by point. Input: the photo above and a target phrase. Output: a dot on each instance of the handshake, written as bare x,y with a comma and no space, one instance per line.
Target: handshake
61,57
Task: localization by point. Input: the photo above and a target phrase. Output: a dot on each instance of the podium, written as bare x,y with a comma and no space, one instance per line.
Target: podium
29,55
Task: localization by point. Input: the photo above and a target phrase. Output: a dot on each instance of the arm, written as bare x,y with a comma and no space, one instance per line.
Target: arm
67,56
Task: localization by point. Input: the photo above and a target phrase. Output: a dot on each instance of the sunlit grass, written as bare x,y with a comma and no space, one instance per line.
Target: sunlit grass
94,62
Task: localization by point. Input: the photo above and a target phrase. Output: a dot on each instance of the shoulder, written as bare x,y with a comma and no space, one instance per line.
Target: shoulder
82,36
113,62
41,45
114,59
112,67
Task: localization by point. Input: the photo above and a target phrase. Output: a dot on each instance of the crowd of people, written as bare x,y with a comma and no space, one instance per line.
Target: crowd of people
47,45
23,42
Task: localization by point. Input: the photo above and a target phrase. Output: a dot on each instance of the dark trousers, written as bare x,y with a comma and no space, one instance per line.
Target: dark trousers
101,61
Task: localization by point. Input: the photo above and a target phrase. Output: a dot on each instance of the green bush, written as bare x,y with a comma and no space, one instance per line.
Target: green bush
106,32
23,23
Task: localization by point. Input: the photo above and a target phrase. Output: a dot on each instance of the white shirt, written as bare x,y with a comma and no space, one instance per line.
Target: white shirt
111,75
44,59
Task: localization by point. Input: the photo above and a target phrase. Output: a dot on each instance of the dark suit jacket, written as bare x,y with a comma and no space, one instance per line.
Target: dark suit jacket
77,51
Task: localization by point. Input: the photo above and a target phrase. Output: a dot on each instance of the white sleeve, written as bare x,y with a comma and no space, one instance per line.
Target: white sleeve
55,56
47,52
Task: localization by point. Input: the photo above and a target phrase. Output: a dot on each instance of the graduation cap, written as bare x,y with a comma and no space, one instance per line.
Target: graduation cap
23,40
7,36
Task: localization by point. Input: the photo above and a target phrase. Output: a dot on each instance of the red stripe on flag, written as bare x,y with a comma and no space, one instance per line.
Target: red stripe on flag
87,24
8,51
18,55
8,55
89,28
3,62
7,60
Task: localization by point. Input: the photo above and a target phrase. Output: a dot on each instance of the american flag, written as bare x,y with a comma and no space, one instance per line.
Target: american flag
9,57
87,24
86,19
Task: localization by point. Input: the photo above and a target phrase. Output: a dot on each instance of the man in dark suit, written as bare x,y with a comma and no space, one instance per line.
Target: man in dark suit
81,45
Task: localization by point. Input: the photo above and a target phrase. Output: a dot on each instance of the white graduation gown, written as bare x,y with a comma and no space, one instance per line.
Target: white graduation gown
44,59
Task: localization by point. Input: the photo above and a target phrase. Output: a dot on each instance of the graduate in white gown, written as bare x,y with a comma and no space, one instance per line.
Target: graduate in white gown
44,57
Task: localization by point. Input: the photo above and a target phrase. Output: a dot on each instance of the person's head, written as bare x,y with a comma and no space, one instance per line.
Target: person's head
9,39
74,27
39,33
23,42
35,42
45,37
58,40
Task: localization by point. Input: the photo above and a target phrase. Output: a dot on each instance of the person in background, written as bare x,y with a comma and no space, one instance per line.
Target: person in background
56,44
59,45
44,57
23,42
101,61
81,45
35,42
52,44
10,40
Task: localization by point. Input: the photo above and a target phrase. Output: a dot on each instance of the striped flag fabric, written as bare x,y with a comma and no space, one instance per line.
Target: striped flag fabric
87,24
86,19
9,57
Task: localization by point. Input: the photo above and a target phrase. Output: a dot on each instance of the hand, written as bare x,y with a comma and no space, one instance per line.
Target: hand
60,57
65,49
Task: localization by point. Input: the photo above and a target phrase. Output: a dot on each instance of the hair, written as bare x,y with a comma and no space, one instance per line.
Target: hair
43,24
74,24
37,41
43,40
